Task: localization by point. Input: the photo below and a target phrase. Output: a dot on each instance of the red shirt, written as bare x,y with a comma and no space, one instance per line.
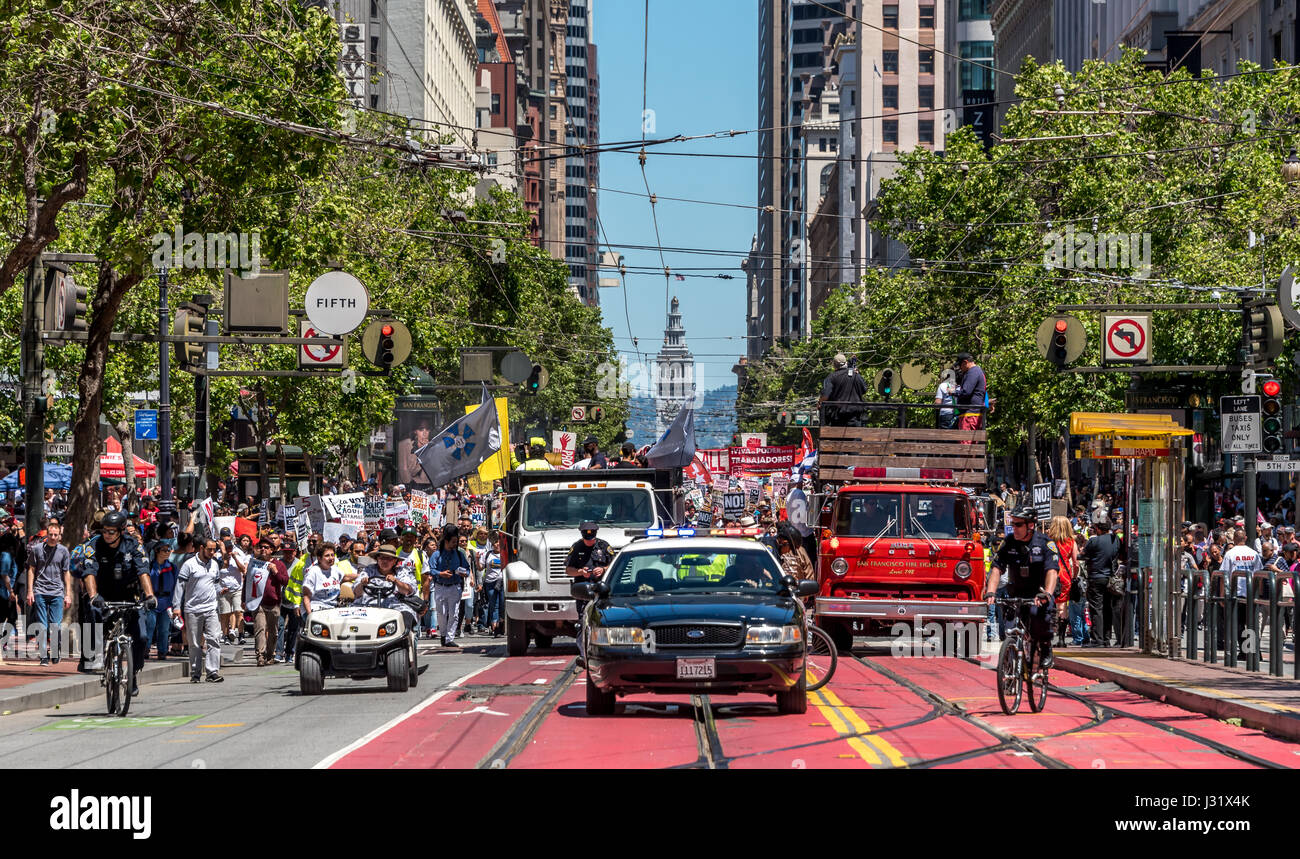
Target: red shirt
1065,573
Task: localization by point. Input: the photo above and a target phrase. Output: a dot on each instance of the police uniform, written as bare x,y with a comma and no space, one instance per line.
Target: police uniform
1026,563
599,554
117,574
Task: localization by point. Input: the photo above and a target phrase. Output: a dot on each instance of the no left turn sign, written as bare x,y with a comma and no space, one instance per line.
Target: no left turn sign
314,357
1128,337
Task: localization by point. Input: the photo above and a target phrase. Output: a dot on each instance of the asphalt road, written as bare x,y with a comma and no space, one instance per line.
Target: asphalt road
257,718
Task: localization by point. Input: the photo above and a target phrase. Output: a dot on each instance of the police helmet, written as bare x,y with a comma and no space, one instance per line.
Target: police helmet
116,519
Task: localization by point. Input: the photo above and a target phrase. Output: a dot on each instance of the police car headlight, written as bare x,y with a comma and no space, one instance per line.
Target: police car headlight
962,570
789,634
839,566
320,630
389,628
617,636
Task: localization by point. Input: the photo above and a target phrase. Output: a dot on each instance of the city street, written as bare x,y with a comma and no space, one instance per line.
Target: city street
479,708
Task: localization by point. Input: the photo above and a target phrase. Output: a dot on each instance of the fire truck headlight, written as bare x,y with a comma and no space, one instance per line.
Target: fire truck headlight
962,570
839,566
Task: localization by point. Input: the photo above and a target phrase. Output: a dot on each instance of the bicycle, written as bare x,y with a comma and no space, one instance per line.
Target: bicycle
1016,664
821,655
119,668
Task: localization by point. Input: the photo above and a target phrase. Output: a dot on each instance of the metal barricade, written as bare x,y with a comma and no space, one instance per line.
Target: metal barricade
1212,599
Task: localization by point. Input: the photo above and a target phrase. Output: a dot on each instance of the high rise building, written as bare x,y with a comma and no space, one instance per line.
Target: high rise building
674,372
431,60
497,104
580,228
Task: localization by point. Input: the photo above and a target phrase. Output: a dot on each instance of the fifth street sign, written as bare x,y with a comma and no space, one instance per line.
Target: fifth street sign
1240,421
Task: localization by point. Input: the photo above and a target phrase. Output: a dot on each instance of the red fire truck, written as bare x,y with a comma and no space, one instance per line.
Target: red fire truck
902,529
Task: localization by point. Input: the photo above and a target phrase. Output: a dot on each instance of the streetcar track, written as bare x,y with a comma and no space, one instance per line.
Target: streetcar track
508,747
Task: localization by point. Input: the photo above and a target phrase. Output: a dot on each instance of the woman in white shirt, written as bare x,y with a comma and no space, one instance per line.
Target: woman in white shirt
230,602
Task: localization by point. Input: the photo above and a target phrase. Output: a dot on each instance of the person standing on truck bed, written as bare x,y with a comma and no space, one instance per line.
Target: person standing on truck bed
1031,561
970,393
843,387
536,456
587,562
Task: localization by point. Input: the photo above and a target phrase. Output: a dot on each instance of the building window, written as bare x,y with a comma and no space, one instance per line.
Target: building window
554,112
834,108
973,76
492,159
889,95
973,10
925,62
496,103
577,11
925,96
925,131
925,17
374,101
835,145
808,58
853,98
552,135
889,130
541,58
889,62
889,17
821,144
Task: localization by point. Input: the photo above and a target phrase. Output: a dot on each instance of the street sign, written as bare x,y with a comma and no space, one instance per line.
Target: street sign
336,303
1277,462
146,424
58,448
1241,424
578,414
1042,496
1127,337
733,503
316,357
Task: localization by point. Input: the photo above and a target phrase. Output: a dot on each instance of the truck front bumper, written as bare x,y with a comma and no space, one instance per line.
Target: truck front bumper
542,609
896,610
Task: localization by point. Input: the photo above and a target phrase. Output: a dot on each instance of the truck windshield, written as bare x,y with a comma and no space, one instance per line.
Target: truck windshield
562,508
940,515
865,514
695,571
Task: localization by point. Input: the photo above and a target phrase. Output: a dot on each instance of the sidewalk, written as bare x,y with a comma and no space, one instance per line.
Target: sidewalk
1258,699
27,685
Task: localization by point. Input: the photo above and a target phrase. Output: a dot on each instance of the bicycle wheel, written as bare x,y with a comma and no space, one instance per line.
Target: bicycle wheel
1009,676
110,680
1037,686
821,658
125,671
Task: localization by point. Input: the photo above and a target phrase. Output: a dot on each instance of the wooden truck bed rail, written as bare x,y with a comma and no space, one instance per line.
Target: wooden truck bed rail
841,449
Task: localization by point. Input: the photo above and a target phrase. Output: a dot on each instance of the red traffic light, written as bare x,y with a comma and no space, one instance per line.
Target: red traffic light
1061,325
1272,388
387,331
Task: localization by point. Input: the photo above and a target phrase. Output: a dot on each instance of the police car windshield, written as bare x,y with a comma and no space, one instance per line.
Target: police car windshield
616,508
686,572
866,514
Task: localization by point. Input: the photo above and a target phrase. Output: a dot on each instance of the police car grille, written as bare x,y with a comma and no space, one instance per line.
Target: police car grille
713,635
555,566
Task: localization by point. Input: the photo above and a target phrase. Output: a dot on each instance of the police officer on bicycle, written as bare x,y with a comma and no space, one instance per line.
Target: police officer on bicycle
1031,560
114,569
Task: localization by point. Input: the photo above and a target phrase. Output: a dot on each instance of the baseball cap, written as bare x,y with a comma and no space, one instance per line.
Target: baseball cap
591,439
537,441
839,360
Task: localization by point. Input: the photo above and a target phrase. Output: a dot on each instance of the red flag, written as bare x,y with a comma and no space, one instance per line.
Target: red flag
698,470
807,447
246,526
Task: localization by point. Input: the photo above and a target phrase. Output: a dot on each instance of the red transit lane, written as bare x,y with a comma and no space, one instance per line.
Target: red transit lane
878,711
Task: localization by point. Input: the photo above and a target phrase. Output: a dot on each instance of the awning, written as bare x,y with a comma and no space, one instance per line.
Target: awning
1124,436
111,465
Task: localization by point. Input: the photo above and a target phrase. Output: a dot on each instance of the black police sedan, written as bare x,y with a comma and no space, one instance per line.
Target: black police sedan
687,615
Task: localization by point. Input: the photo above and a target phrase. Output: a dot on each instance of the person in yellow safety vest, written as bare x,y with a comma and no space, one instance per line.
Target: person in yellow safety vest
536,456
291,602
713,571
408,551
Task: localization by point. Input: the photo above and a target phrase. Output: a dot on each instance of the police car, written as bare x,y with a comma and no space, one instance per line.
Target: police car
681,611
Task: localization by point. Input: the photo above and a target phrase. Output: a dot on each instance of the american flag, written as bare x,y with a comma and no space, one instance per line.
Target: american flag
681,277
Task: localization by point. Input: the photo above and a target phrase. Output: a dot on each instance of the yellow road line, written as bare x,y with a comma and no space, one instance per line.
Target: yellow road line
842,728
855,724
230,725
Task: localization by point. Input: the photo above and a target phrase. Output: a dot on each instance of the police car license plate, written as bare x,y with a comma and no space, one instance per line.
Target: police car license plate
697,669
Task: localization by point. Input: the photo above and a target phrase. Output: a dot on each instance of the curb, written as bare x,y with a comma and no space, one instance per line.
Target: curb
1198,699
79,687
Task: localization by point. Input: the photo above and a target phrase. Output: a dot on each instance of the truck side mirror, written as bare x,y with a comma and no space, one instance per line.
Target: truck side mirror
581,591
807,588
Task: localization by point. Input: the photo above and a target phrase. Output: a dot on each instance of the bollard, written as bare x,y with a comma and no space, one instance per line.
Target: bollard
1212,617
1275,628
1252,623
1230,631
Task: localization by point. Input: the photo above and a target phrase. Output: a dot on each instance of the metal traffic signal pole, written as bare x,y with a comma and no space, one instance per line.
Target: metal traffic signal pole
165,493
33,397
1249,478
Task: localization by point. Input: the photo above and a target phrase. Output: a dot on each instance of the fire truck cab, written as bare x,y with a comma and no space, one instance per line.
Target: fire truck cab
900,550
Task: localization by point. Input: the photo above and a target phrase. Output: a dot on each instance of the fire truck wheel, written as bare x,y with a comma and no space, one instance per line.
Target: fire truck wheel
842,635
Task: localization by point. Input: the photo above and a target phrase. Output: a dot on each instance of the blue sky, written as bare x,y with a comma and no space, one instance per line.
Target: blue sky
701,79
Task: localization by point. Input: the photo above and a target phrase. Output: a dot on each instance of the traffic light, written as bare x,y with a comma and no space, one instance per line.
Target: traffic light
596,413
885,384
65,302
784,418
385,350
534,383
1270,408
1265,333
1061,340
190,322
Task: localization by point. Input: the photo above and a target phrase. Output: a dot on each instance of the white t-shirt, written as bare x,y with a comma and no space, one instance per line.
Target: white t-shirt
231,578
322,586
946,396
1241,559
